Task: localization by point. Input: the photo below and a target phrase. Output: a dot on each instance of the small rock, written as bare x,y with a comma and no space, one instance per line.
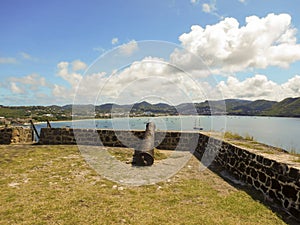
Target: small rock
14,185
26,180
120,188
159,187
114,187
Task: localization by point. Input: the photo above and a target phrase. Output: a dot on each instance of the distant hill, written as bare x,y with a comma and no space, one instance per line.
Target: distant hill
289,107
250,108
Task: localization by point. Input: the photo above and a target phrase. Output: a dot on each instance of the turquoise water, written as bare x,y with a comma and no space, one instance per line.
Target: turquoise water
276,131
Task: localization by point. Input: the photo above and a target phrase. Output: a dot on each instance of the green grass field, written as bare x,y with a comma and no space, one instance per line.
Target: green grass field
54,185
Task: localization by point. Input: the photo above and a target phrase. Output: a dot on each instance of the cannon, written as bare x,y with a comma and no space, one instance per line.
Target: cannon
144,156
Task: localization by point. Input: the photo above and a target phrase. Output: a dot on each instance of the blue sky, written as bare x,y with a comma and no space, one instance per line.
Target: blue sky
47,49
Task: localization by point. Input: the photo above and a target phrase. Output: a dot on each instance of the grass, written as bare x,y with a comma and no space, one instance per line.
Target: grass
54,185
293,152
235,136
297,160
249,142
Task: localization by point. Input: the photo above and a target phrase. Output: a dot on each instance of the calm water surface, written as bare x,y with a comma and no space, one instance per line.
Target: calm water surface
275,131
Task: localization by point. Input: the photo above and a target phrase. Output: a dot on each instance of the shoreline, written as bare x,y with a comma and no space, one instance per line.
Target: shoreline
164,116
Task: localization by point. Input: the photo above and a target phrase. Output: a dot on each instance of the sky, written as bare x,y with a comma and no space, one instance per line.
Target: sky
174,51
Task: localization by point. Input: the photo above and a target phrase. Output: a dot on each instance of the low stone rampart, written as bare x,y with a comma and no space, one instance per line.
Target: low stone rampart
16,135
123,138
279,181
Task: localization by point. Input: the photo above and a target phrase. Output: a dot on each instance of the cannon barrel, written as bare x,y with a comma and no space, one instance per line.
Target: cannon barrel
145,155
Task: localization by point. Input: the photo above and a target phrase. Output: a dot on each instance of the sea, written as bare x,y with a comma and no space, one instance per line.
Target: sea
279,132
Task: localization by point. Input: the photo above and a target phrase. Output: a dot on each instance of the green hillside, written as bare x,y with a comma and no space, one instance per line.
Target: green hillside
289,107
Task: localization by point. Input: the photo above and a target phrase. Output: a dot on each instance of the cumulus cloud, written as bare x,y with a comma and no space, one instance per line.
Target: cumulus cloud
70,73
31,81
194,2
208,8
15,89
78,65
84,88
149,78
70,76
114,41
292,87
129,48
259,87
26,90
229,47
211,8
152,78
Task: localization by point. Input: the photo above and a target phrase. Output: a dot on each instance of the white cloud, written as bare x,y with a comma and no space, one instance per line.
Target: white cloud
242,1
15,89
26,84
292,87
259,87
151,78
207,8
114,41
129,48
28,57
78,65
194,2
251,88
32,81
25,55
70,76
7,60
31,89
83,88
262,42
211,8
61,93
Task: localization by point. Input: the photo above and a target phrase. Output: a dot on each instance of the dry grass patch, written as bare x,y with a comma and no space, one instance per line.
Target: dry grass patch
54,185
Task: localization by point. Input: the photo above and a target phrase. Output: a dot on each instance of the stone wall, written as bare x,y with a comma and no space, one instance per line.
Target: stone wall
280,181
70,136
123,138
16,135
